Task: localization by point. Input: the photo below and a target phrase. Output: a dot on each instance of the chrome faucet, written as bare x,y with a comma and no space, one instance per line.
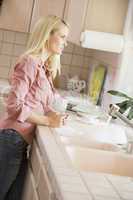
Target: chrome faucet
114,112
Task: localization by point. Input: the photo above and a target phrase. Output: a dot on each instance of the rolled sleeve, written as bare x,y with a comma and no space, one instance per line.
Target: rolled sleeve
21,81
24,113
49,109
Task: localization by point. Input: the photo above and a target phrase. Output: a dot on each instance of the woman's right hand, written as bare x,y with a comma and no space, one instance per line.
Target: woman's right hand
56,119
52,119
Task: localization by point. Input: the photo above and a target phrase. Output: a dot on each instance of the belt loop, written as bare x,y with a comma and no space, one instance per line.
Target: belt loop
28,151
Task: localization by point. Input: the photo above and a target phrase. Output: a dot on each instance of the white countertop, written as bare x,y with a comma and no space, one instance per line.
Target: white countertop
70,183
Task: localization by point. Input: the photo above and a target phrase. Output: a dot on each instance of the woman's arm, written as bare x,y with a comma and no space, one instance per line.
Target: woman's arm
22,79
52,119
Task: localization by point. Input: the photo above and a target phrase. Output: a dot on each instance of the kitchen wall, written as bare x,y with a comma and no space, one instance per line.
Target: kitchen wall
75,61
112,63
79,61
12,44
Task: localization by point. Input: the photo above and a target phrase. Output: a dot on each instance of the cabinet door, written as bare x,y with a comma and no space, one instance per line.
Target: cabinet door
75,12
44,187
106,15
47,7
30,192
15,15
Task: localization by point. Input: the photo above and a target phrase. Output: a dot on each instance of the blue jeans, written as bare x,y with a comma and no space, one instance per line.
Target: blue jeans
13,164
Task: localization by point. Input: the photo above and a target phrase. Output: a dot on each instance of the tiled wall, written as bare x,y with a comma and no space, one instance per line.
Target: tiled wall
112,62
75,60
12,44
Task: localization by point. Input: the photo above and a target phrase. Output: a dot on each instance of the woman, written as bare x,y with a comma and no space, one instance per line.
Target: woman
30,101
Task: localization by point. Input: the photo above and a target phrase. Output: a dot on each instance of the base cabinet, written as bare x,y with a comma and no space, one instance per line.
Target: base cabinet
29,188
37,185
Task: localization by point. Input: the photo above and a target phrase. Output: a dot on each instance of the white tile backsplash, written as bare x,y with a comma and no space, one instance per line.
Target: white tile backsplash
18,50
77,60
12,45
21,38
66,59
4,72
1,35
84,73
14,60
79,50
64,69
5,60
86,62
69,48
8,36
74,70
7,48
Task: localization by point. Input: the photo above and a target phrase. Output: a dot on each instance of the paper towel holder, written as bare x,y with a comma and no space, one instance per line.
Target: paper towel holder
103,41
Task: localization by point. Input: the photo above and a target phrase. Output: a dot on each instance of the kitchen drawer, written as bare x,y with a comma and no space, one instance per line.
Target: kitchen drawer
29,188
35,161
44,188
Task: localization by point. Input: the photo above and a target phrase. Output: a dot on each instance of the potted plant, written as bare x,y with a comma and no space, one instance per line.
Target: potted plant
125,105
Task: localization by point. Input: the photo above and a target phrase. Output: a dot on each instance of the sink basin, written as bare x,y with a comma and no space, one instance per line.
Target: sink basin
88,143
96,160
100,133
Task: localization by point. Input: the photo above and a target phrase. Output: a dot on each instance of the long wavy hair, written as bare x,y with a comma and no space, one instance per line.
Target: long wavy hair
39,38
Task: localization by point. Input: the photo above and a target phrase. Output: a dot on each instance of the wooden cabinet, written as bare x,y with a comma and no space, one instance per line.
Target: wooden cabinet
106,15
15,15
37,184
96,15
30,192
74,14
47,7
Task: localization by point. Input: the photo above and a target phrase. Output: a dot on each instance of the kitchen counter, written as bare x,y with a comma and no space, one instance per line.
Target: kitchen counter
63,180
69,183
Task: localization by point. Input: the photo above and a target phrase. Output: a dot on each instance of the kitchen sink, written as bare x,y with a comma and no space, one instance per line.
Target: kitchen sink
100,136
96,160
88,143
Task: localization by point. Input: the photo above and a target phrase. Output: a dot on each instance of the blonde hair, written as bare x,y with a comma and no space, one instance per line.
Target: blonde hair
39,37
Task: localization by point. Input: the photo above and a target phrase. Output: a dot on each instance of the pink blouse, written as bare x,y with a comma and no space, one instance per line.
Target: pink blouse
31,91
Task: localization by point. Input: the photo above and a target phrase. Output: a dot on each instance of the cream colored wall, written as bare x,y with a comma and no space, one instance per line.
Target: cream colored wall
75,60
111,61
12,44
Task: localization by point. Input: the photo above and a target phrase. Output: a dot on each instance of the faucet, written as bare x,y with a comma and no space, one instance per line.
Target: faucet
114,112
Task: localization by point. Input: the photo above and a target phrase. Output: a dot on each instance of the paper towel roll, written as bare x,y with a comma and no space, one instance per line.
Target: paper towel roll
102,41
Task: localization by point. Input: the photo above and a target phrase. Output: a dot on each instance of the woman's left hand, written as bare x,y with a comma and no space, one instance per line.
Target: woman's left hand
64,116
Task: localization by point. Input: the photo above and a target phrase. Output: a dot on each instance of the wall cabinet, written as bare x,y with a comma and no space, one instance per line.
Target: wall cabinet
106,16
16,15
74,14
47,7
103,15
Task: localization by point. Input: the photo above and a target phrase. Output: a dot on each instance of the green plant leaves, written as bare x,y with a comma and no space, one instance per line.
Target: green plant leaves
120,94
124,105
130,114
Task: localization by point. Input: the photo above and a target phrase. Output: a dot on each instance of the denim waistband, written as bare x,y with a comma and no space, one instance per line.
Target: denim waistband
15,134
